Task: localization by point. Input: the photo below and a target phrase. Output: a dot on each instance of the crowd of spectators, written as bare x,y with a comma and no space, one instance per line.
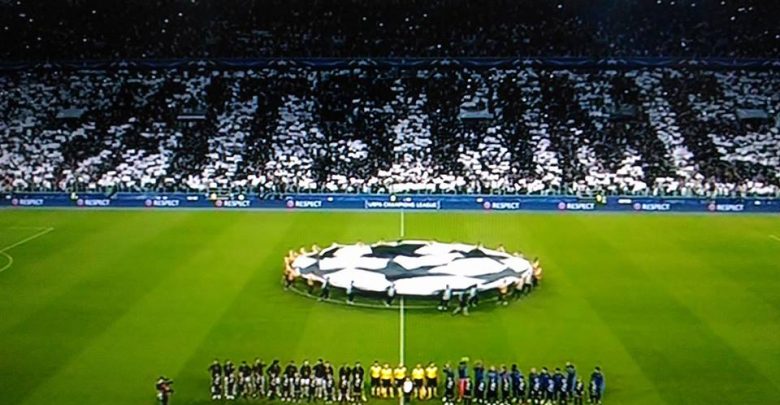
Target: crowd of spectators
108,29
368,129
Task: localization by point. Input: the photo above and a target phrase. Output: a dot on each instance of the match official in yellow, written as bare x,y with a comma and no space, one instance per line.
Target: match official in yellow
432,380
376,372
386,375
399,375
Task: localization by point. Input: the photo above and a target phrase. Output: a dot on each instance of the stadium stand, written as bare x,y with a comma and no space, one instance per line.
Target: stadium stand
367,129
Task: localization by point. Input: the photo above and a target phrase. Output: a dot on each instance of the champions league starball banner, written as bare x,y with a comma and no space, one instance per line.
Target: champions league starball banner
374,202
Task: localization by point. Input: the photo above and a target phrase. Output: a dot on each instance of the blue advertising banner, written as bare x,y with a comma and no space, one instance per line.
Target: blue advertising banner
488,203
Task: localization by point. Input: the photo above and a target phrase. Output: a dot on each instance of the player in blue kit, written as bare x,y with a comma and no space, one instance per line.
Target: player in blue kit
596,386
579,392
506,386
571,378
518,384
535,383
479,391
491,398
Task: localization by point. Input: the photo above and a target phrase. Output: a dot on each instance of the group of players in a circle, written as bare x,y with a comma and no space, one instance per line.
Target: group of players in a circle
318,382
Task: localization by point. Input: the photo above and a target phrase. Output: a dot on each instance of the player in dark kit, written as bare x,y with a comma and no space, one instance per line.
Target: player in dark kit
468,389
357,384
325,290
216,388
358,381
479,391
319,379
258,379
344,389
549,394
463,304
244,380
274,386
275,369
535,385
330,388
229,372
506,386
518,390
215,369
492,386
449,389
561,390
344,372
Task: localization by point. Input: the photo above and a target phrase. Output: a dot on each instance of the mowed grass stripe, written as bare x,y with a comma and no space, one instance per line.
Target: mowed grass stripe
83,243
29,284
684,357
267,322
710,285
49,337
191,272
554,325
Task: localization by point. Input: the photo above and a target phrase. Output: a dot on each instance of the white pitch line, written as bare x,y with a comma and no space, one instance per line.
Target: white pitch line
25,240
774,237
401,320
402,224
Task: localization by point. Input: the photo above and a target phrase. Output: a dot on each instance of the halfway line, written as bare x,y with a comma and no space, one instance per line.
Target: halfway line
774,237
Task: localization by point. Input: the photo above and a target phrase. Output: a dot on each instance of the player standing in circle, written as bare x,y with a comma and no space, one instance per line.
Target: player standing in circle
432,381
351,293
503,293
463,304
473,296
376,372
390,295
446,295
325,289
387,381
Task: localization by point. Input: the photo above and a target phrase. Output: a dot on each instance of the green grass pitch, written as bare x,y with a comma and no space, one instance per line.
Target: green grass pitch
676,309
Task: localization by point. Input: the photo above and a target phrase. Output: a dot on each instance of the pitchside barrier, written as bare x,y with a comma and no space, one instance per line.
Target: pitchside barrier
372,202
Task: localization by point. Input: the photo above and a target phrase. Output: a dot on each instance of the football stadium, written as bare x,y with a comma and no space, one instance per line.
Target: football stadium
402,202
